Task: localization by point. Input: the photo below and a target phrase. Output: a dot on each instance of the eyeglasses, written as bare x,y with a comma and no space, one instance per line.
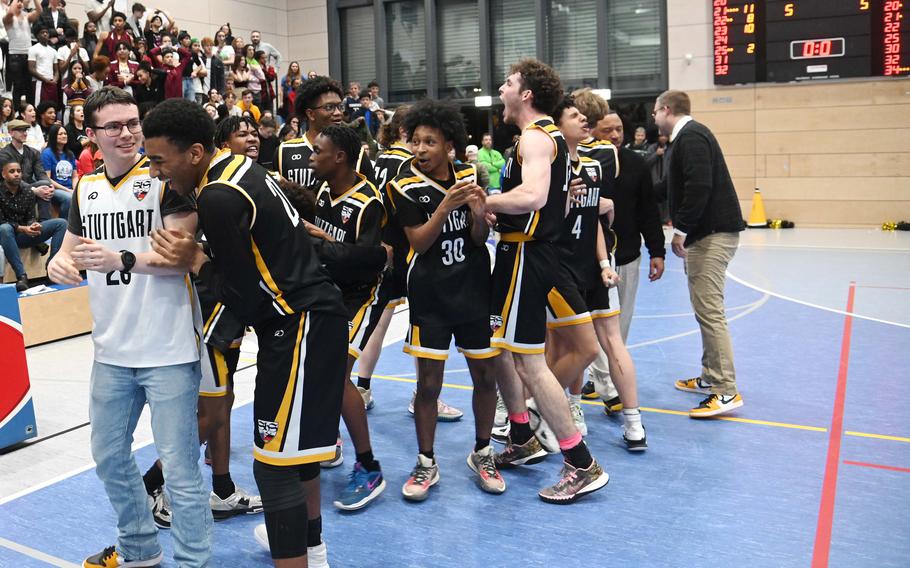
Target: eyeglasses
331,107
656,110
113,129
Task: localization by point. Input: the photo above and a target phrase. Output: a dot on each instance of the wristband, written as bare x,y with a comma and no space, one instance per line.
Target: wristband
605,263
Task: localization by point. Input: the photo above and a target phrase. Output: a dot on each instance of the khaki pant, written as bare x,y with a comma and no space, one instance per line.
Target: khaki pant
706,266
627,288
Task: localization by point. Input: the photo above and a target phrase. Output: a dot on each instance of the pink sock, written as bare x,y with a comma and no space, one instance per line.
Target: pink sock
570,442
521,418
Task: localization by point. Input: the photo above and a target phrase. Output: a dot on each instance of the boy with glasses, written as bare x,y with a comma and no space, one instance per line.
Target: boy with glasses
142,353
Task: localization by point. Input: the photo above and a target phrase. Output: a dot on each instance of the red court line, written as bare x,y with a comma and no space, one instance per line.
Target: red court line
879,466
822,549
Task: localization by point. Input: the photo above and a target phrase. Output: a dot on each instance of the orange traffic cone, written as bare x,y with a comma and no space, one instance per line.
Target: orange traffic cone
757,219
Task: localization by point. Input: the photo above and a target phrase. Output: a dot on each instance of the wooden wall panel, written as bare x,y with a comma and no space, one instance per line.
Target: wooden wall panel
822,154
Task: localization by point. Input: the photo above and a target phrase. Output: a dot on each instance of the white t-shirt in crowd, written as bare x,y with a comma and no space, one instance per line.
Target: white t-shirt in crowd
104,24
45,57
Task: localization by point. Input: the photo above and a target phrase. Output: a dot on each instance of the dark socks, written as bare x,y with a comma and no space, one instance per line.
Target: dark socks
481,443
223,485
314,532
578,456
153,479
520,432
428,454
364,382
368,462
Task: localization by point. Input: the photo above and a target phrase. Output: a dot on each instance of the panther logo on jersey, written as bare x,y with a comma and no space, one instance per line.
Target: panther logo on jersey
141,188
495,323
346,213
267,430
593,173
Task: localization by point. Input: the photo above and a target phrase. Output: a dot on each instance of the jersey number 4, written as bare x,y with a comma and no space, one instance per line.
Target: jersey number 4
576,227
125,278
452,251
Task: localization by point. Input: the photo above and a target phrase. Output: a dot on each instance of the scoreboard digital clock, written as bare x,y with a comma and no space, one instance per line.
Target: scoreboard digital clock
804,40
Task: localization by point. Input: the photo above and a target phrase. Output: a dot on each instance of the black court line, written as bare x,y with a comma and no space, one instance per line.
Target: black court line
28,443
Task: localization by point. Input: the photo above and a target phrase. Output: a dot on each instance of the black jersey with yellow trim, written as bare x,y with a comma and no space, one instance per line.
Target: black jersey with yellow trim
449,283
544,224
608,156
293,162
577,245
264,264
388,166
356,217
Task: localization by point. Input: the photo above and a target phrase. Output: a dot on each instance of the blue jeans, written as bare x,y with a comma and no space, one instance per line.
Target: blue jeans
117,397
189,91
10,241
62,198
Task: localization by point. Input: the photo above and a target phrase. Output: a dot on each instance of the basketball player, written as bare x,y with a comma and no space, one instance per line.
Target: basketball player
143,352
530,212
264,269
222,334
442,211
587,292
388,164
319,101
350,216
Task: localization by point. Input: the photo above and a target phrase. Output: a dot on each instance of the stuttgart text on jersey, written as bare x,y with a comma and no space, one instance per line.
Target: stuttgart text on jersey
118,225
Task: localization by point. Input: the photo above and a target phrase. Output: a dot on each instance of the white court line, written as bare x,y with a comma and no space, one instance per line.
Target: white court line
36,554
748,309
136,446
825,247
691,314
761,302
810,304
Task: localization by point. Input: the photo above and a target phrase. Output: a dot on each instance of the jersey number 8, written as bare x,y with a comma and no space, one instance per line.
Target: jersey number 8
452,251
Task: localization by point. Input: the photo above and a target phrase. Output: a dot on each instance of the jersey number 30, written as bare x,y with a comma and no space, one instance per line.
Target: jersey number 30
452,251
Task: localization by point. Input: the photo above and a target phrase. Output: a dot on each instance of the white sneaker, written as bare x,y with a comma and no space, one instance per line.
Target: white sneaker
542,431
238,503
444,412
317,556
502,413
367,395
578,416
335,461
500,434
161,508
262,536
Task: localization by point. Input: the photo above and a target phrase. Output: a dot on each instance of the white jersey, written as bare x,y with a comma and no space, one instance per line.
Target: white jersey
139,320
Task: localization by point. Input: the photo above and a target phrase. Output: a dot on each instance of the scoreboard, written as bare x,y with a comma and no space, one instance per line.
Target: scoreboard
803,40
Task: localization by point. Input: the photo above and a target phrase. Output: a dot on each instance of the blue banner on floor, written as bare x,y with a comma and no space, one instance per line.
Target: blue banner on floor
17,413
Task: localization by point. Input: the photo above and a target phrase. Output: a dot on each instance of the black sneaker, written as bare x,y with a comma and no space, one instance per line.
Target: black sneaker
109,558
22,283
161,508
42,248
636,445
612,406
588,392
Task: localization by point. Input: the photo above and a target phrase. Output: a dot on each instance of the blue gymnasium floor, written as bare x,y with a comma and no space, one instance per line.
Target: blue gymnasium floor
742,491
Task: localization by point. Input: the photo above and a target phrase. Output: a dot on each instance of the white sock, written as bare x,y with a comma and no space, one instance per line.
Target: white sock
632,419
575,398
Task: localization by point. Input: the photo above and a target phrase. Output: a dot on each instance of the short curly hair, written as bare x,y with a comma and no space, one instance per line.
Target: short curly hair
345,139
230,125
590,104
312,89
445,116
543,82
182,122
